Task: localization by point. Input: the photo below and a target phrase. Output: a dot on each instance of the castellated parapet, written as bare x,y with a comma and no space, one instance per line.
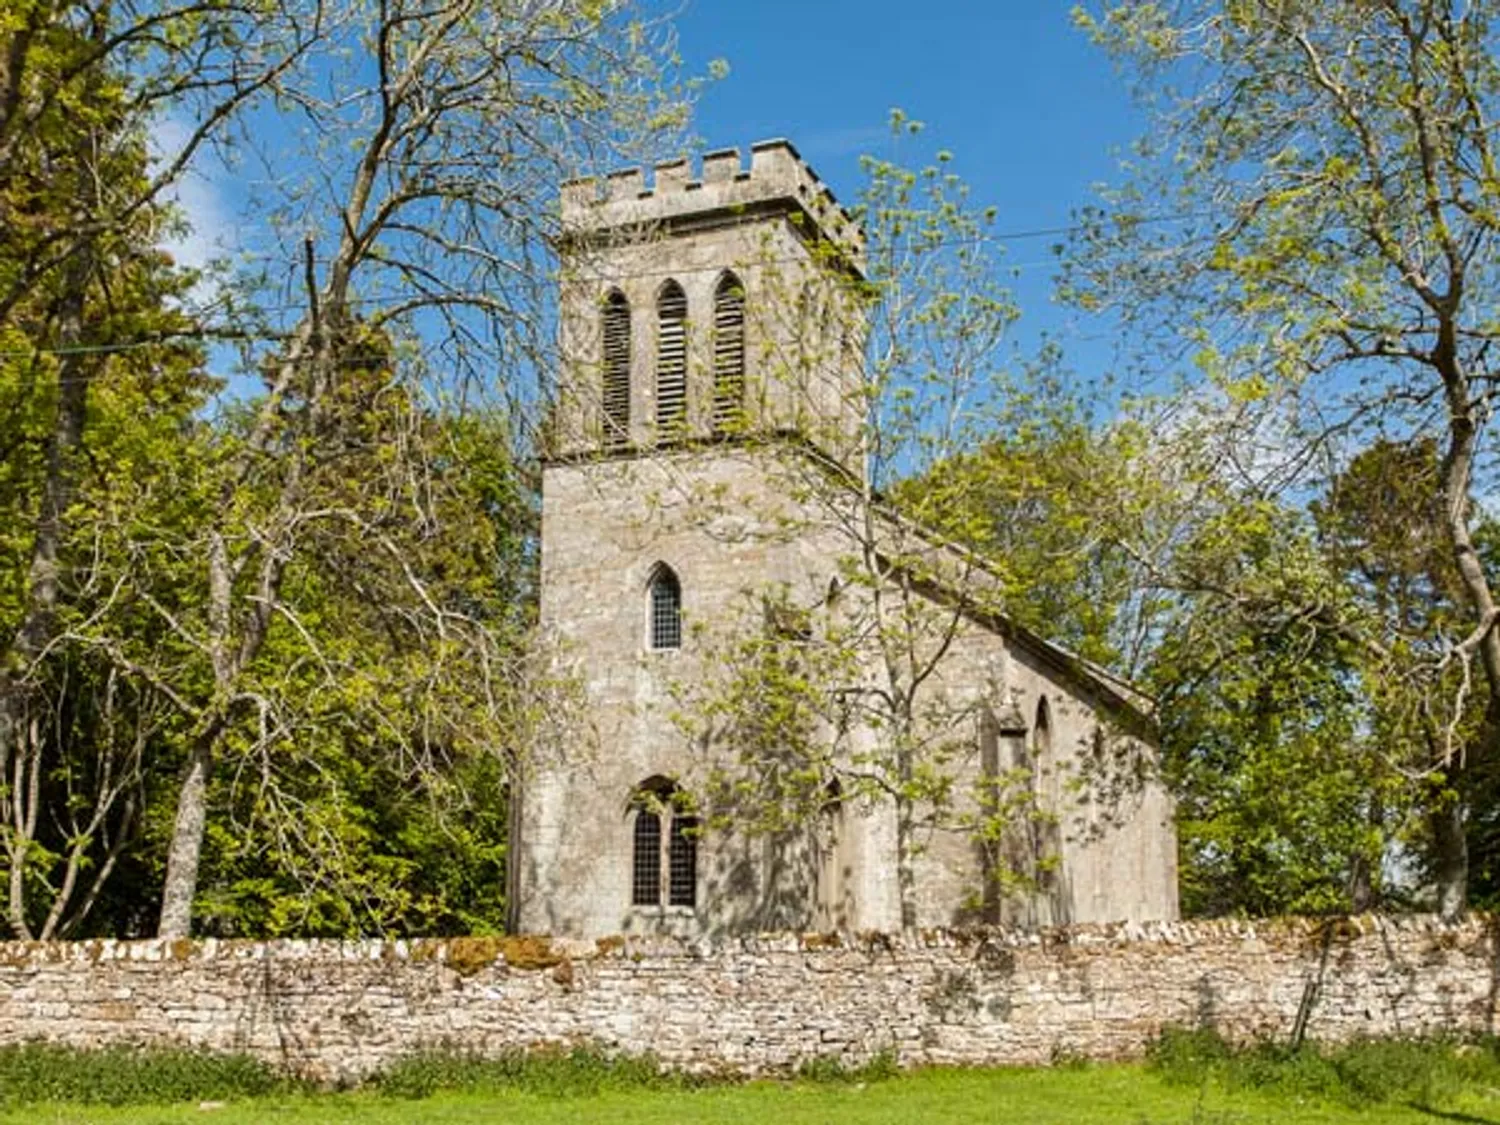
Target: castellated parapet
785,361
778,180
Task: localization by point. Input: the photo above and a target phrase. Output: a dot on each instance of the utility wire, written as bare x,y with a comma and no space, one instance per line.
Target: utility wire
381,299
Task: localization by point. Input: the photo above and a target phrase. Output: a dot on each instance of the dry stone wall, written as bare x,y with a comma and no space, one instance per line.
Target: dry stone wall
340,1010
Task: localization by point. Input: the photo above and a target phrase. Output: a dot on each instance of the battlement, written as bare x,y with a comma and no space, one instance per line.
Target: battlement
723,190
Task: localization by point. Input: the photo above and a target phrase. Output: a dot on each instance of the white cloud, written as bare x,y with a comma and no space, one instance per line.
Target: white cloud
199,195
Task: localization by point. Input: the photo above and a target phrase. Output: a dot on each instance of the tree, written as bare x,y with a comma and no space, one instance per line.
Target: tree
96,389
435,247
74,735
1287,800
846,702
1032,496
1313,221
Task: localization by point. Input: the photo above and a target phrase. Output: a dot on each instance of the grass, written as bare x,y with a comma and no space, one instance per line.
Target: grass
1191,1078
1424,1072
1106,1095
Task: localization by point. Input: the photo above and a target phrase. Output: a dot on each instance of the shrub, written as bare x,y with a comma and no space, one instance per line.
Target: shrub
1186,1056
832,1068
126,1075
579,1072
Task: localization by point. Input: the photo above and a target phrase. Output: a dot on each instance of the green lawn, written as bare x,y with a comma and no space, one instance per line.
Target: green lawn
1104,1094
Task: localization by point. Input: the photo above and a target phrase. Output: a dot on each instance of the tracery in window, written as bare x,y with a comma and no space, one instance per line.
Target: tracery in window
682,861
664,852
645,883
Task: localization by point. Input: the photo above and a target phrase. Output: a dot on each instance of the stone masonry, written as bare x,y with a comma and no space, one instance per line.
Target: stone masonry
641,480
337,1011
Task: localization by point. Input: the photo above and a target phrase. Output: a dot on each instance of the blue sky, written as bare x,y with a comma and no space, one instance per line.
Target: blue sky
1033,113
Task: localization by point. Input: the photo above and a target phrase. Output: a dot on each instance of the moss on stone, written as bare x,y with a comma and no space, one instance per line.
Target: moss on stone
813,942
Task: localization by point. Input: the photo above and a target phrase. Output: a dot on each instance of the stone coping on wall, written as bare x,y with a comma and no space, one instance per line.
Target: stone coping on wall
536,951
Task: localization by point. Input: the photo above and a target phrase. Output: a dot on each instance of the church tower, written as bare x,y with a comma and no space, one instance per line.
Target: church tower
706,324
702,484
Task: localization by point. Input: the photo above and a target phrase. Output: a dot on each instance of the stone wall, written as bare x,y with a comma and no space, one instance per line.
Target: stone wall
339,1010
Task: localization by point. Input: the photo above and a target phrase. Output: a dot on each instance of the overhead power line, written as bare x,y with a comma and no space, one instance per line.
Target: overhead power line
999,237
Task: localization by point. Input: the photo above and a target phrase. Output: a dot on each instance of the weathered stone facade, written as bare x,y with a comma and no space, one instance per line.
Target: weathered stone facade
636,489
340,1010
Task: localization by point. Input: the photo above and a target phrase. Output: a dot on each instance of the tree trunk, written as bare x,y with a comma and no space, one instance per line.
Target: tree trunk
1450,858
181,882
180,885
906,876
1451,855
19,747
1361,885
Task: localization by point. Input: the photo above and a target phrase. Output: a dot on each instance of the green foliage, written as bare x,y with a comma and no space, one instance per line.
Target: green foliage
577,1073
404,856
380,806
45,1072
1032,500
98,450
834,1069
1300,256
1283,802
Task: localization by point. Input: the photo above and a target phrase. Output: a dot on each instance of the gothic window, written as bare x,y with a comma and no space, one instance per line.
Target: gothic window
729,354
991,799
833,896
1041,734
1048,833
664,608
671,359
682,862
645,883
664,861
616,326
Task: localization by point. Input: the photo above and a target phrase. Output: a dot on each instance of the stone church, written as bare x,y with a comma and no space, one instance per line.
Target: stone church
706,459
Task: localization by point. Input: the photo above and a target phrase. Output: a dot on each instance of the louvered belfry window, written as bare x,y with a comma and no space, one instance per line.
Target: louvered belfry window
729,354
616,370
671,359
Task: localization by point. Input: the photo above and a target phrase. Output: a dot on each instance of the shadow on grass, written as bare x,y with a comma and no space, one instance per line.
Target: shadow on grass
1451,1115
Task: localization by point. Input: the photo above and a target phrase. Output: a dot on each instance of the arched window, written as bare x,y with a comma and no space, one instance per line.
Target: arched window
992,810
1041,734
616,330
645,883
664,608
682,861
659,803
729,354
671,359
1048,830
